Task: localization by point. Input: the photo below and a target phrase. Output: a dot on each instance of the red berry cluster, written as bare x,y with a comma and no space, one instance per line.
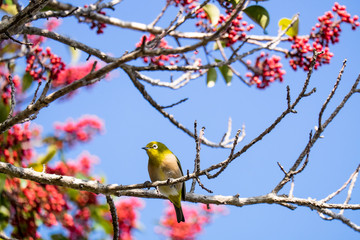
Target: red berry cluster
235,32
82,130
15,145
328,28
196,218
327,31
5,87
265,70
127,216
94,23
72,74
162,59
31,204
39,61
237,29
78,223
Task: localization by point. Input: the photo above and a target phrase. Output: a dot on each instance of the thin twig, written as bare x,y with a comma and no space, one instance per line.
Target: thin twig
230,67
197,157
351,187
332,195
160,14
13,101
202,185
174,104
114,216
17,41
228,160
331,93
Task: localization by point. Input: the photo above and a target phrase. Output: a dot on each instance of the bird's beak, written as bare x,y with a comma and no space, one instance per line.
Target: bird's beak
145,148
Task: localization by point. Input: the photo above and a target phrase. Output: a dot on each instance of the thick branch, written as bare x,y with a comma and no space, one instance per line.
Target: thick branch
133,190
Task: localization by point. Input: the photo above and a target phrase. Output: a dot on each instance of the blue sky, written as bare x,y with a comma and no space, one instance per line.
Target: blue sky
131,123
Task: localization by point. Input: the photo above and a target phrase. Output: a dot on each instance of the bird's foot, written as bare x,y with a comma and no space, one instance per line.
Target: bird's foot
146,184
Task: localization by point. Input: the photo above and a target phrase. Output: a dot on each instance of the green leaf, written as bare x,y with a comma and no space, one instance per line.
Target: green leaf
44,159
212,12
293,31
23,183
226,73
259,15
27,80
49,8
234,3
58,236
81,176
216,46
9,7
211,77
75,55
4,211
2,182
97,215
4,217
4,111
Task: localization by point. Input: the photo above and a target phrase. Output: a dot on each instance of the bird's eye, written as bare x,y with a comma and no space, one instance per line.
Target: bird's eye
155,146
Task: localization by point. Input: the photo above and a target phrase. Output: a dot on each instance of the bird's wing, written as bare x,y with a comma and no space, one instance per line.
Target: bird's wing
183,191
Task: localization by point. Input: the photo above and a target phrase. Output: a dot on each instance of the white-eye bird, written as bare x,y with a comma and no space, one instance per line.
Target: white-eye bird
164,165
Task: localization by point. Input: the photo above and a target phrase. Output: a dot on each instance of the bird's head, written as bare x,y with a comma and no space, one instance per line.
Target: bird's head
156,149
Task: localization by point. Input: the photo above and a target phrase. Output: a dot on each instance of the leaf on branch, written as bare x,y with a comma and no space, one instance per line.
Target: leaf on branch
293,31
226,73
216,46
4,216
211,77
212,12
27,80
75,55
44,159
259,15
2,182
58,236
97,214
4,111
9,7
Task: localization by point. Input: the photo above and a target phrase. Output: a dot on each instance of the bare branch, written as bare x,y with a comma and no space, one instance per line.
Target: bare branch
13,102
133,190
339,217
331,93
197,157
174,104
160,14
114,216
332,195
351,187
17,41
144,93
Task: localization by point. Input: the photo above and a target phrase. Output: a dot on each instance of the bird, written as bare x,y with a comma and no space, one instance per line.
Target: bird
164,165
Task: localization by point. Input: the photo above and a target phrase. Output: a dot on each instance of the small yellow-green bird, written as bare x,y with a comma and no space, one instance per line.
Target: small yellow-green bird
163,165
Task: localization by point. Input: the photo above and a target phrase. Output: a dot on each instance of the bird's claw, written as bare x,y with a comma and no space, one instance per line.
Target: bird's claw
146,184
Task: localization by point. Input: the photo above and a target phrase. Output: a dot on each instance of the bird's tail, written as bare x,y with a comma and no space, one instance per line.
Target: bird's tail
179,214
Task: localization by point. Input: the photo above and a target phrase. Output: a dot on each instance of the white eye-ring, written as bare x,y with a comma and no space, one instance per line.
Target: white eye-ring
154,146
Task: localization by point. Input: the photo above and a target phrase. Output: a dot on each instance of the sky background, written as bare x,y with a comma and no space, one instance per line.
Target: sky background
131,123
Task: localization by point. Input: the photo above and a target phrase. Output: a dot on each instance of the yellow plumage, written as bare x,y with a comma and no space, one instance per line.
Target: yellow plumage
162,165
